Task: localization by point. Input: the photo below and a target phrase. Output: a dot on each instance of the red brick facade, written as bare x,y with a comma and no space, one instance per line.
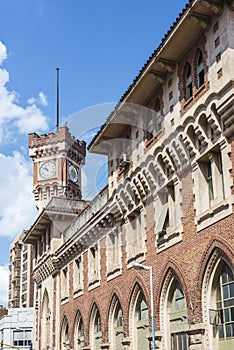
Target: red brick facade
168,206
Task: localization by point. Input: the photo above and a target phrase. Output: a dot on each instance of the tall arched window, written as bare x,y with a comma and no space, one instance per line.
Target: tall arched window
177,317
225,306
200,69
141,323
79,333
188,81
118,328
65,341
95,329
45,322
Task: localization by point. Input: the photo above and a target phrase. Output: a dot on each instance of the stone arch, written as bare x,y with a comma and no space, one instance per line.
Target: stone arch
64,335
79,339
214,262
171,277
136,294
95,330
45,321
115,330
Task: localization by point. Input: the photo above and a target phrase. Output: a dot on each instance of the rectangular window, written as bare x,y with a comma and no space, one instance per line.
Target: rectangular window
64,283
210,181
114,249
78,275
153,121
179,341
93,263
168,215
22,338
135,235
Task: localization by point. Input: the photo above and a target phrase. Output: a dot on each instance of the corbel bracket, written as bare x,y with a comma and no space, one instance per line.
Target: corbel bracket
160,76
202,20
215,6
168,65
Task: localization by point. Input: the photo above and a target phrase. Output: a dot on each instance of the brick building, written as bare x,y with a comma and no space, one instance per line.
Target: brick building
21,284
168,205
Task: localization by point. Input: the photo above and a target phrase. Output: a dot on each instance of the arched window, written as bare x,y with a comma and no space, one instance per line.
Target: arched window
141,327
188,81
177,317
225,306
218,303
118,328
79,333
200,69
95,329
45,322
47,192
40,193
65,342
55,190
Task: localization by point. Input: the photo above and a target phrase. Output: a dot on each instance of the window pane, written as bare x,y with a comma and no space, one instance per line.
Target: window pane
218,293
180,305
180,342
225,292
228,303
221,333
226,315
228,330
232,290
173,342
224,277
232,313
230,274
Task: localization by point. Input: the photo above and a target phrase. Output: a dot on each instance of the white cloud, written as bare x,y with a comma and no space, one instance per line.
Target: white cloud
17,206
13,117
4,273
3,52
43,99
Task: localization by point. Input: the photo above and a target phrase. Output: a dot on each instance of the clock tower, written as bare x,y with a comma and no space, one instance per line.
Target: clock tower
58,158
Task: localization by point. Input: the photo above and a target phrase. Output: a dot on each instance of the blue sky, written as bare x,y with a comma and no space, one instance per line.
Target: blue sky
99,46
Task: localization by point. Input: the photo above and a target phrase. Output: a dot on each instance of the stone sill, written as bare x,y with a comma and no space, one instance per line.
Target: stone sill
115,272
213,214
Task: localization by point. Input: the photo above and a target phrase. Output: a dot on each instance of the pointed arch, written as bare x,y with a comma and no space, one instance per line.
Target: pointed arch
115,323
138,319
217,315
65,336
173,312
79,336
45,321
95,328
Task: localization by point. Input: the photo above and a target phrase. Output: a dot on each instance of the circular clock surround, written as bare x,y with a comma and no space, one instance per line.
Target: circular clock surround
73,173
47,170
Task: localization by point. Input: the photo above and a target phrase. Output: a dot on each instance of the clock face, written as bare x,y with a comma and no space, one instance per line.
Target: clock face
73,173
47,170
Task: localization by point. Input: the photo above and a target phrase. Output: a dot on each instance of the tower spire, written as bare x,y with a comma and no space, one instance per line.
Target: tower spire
57,100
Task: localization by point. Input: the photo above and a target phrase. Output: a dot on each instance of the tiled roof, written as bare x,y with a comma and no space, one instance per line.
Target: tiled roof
189,3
